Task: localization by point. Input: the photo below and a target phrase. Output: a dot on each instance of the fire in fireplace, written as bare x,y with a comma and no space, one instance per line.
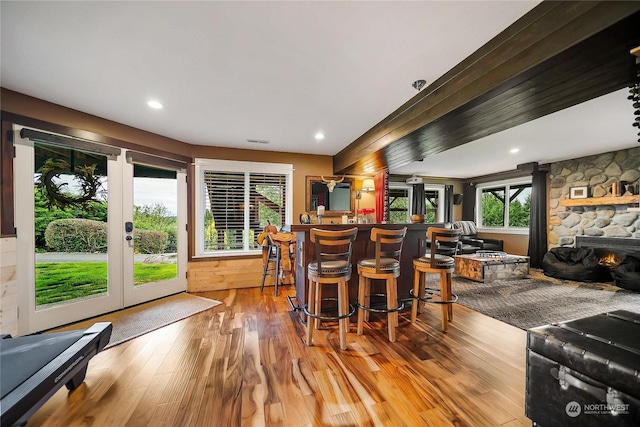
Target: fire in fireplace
610,261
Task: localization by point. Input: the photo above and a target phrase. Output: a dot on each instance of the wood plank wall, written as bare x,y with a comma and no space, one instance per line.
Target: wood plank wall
8,287
223,274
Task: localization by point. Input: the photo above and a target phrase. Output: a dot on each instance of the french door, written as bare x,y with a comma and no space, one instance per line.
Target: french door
80,251
155,257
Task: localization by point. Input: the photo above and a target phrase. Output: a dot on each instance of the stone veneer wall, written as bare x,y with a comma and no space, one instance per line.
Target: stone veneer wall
597,172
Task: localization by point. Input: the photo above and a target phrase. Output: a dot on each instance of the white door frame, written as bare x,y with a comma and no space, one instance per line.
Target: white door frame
29,319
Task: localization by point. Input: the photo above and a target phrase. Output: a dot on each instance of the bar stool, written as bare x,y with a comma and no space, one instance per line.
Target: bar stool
435,263
272,258
385,266
332,266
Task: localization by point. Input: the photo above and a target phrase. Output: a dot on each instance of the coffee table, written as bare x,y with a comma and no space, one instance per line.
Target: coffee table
489,266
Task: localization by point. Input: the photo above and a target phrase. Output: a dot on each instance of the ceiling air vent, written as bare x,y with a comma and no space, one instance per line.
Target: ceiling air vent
258,141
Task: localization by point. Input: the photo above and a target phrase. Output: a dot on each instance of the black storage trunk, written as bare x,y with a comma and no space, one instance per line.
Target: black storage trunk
585,372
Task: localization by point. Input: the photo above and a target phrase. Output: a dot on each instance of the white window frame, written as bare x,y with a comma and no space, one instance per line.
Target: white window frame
506,184
203,165
427,187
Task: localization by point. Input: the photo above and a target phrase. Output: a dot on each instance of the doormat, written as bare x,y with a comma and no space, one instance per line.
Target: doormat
135,321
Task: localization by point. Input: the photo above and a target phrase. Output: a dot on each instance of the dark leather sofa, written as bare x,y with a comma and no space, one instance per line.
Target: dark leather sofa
471,242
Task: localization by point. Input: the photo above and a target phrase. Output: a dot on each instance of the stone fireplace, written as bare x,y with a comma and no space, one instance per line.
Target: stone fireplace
609,220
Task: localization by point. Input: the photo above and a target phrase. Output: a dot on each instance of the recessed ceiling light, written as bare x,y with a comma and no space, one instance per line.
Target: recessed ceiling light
514,150
319,136
154,104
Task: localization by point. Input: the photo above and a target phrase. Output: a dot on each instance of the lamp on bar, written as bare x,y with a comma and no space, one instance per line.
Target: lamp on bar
368,185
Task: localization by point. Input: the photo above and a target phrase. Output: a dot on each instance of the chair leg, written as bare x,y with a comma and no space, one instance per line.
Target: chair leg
311,300
264,273
396,315
443,296
367,297
449,297
277,273
361,301
391,304
421,291
342,310
318,305
345,307
415,302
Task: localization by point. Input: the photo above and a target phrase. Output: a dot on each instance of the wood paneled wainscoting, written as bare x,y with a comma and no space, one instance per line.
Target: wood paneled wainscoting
8,286
226,273
245,363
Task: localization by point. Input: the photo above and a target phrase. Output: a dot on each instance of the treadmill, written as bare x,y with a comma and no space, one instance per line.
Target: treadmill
34,367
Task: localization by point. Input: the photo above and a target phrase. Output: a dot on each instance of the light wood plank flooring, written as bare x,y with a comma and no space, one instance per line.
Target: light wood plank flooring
245,363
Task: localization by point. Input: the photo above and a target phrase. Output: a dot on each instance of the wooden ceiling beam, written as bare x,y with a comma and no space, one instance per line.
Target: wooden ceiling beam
557,55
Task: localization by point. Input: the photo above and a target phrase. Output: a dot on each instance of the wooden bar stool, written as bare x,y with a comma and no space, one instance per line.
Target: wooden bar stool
332,266
277,259
385,266
435,263
271,264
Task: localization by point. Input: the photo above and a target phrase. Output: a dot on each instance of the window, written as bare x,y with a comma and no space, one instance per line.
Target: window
400,203
432,197
504,204
236,200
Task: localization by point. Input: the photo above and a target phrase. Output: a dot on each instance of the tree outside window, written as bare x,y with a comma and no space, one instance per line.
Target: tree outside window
499,211
400,203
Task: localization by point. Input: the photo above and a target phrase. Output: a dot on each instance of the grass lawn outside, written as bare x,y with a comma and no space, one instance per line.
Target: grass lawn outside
63,281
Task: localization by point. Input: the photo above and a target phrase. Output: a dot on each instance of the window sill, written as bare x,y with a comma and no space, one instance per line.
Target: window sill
231,255
498,230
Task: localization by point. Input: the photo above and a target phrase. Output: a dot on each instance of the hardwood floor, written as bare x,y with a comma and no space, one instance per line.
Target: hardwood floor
245,363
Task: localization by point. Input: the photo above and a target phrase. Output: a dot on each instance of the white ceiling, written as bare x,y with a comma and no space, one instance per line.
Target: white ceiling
278,71
597,126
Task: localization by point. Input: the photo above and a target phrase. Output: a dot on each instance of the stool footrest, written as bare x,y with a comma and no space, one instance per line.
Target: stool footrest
351,312
429,299
400,306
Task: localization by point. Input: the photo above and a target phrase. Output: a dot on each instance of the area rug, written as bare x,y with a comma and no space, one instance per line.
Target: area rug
539,300
143,318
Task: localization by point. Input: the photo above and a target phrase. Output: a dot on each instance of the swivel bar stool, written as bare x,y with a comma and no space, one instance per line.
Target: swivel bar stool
332,266
385,266
435,263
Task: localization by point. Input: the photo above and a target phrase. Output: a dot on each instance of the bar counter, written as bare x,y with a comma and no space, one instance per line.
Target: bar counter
363,247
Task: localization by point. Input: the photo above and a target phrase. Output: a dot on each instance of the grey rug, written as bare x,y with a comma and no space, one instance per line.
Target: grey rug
526,303
143,318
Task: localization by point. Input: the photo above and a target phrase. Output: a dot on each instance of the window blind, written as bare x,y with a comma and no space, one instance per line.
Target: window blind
225,201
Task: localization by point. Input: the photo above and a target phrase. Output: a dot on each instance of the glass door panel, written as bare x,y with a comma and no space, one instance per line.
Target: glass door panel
154,256
71,245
